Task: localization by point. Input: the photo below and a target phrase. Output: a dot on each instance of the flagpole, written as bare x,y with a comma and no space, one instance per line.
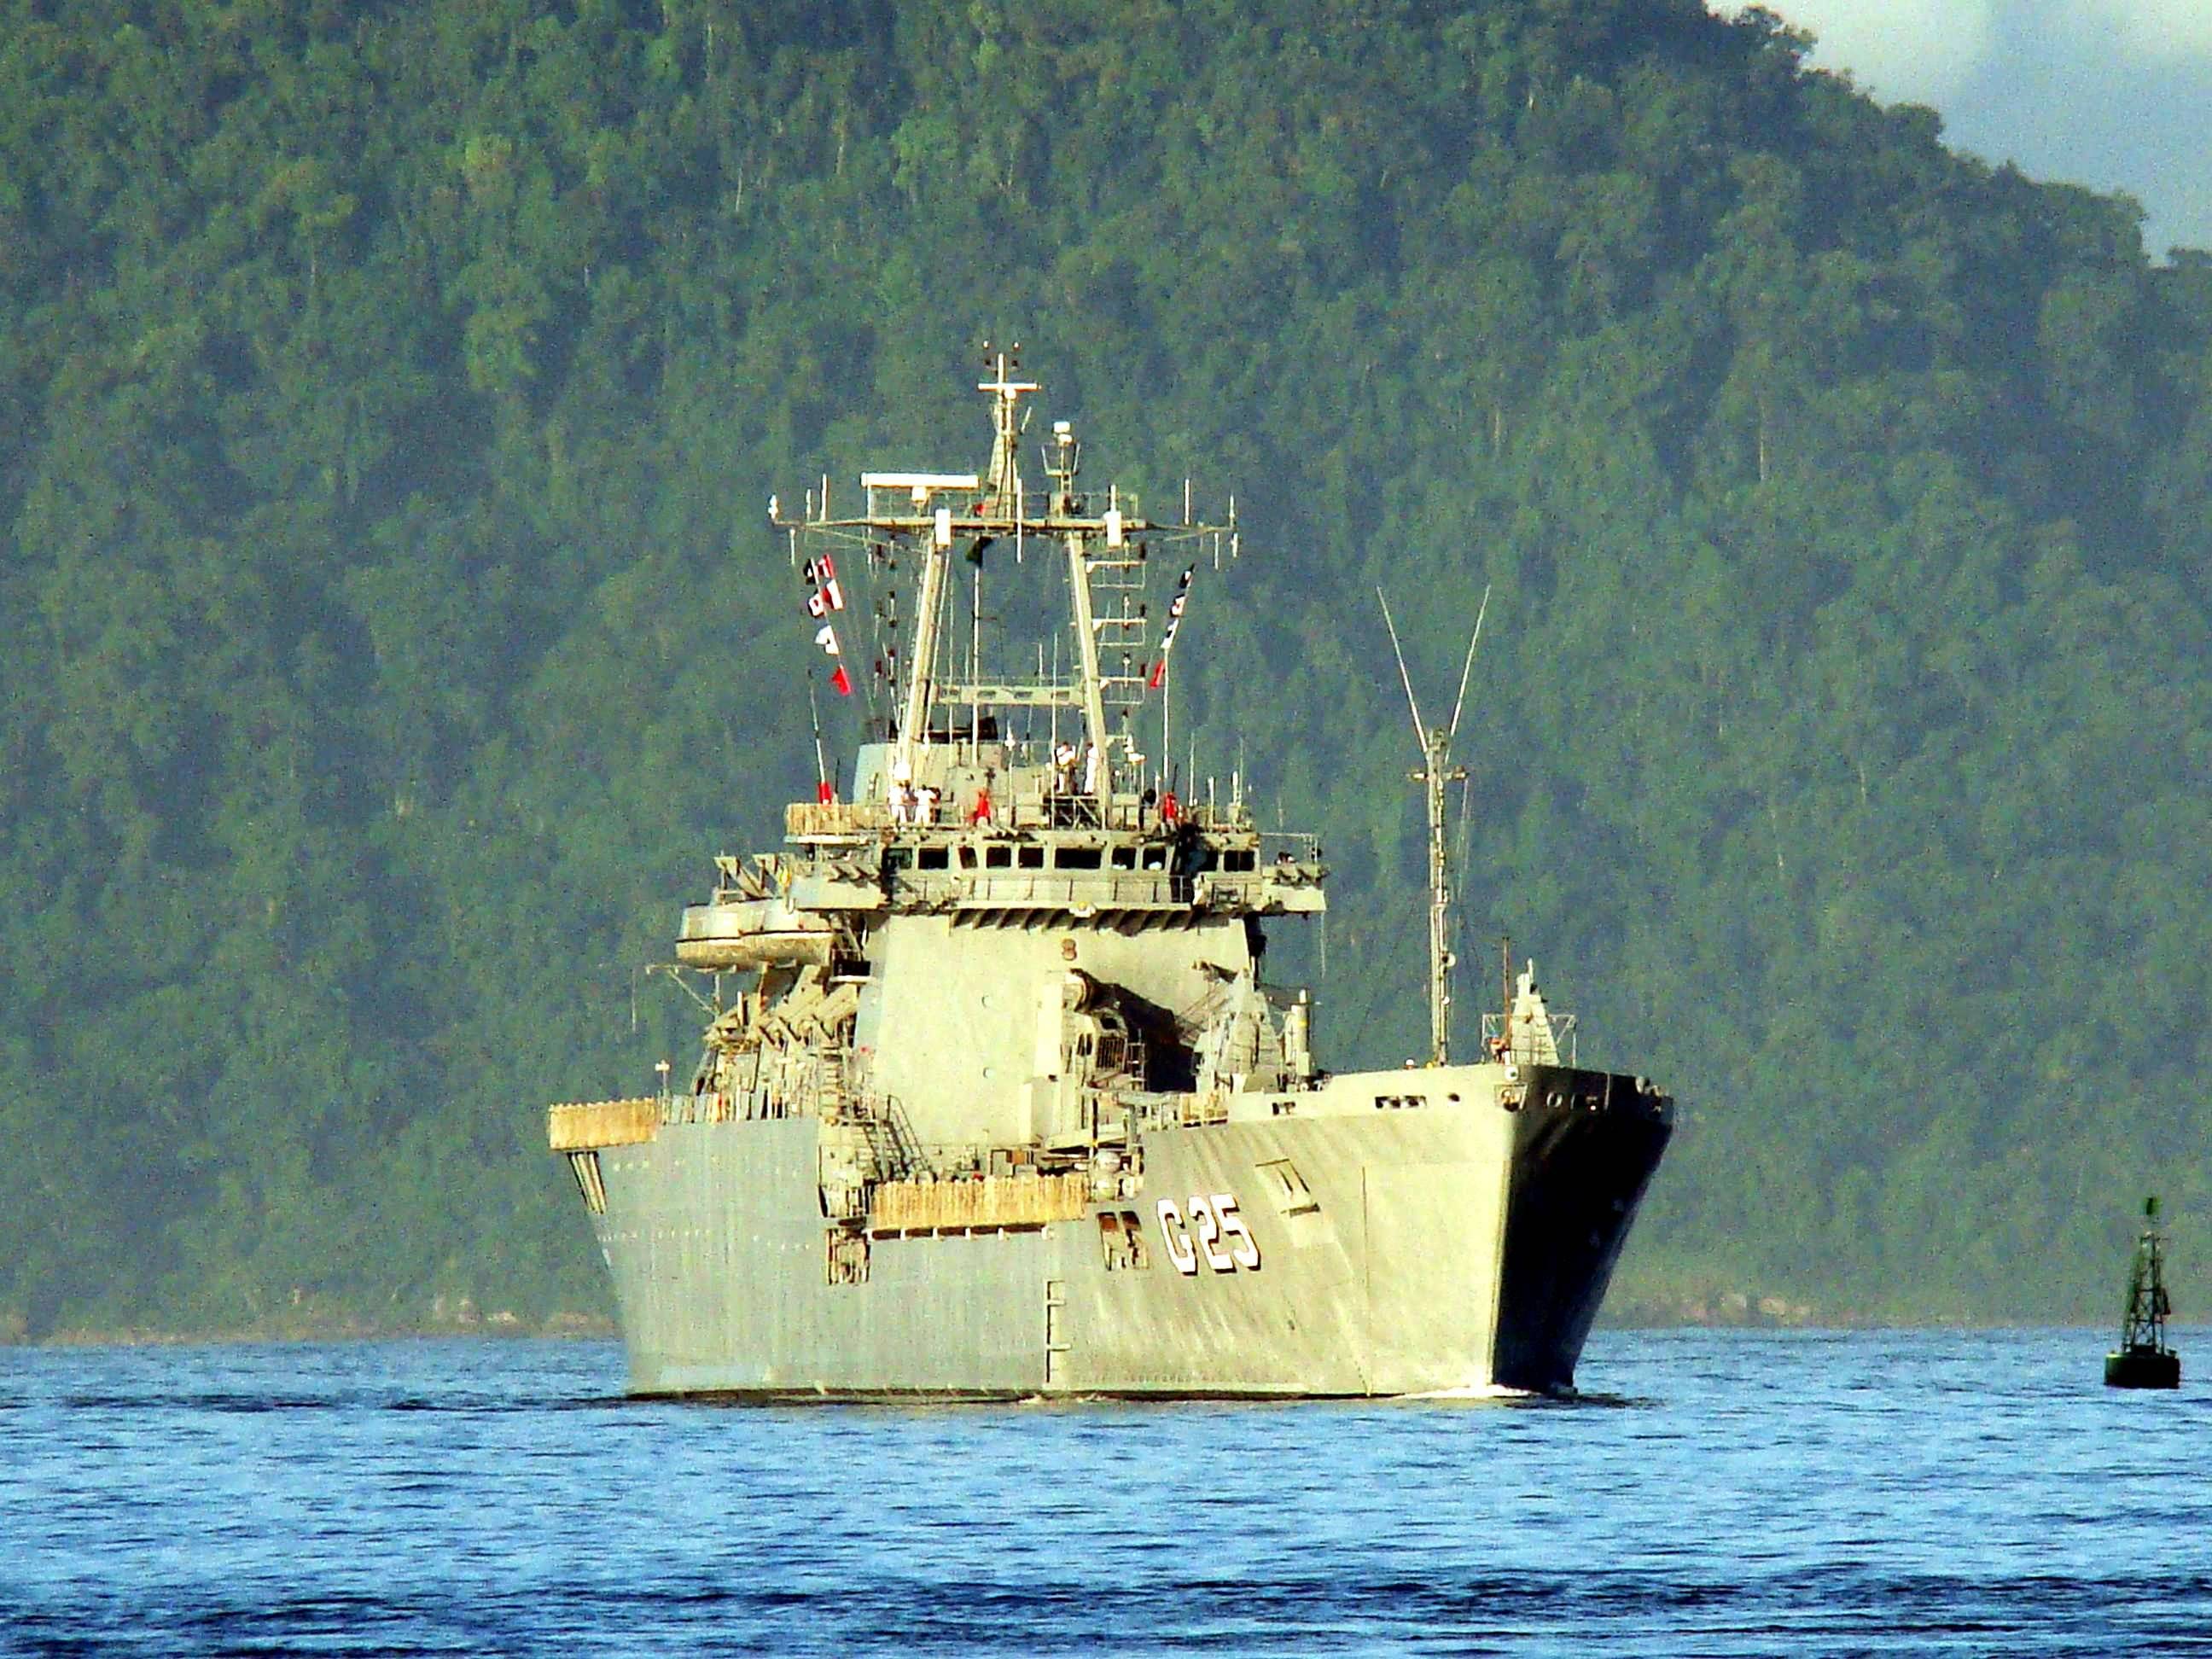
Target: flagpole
975,664
822,790
1164,692
1158,681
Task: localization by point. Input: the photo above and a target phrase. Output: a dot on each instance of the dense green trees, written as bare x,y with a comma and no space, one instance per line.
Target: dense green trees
387,394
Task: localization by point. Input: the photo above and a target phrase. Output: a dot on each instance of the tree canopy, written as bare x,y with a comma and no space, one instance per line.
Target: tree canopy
388,397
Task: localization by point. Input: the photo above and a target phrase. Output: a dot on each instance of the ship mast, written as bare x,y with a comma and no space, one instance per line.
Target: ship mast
1436,772
1002,499
927,511
921,665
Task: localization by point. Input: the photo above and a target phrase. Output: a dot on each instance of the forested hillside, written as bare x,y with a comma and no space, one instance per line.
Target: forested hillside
389,395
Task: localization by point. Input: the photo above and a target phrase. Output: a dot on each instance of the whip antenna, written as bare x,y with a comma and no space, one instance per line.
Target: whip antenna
1482,611
1436,771
1405,679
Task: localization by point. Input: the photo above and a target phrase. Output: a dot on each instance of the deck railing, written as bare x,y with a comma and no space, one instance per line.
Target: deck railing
808,819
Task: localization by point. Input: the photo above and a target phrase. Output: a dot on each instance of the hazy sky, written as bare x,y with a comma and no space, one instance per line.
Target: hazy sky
2116,94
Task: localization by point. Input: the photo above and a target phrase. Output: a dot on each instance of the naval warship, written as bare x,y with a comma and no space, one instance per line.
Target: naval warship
995,1099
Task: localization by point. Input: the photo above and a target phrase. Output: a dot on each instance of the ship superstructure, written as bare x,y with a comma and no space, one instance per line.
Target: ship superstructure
995,1097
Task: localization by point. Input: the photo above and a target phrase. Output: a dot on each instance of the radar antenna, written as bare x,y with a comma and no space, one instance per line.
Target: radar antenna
1437,770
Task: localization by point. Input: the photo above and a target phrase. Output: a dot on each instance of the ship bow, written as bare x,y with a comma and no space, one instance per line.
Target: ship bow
1584,1147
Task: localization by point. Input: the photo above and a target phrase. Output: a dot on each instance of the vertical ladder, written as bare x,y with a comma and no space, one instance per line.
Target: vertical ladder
1055,1336
1117,588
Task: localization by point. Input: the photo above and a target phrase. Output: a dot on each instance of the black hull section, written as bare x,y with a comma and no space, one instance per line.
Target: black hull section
1585,1147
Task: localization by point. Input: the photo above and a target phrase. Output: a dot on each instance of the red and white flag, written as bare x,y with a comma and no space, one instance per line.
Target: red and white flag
1159,674
826,637
827,596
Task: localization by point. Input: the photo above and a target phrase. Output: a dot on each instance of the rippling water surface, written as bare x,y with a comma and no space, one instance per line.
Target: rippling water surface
1717,1493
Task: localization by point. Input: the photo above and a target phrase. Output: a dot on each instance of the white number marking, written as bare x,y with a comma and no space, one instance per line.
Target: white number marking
1178,1242
1208,1227
1213,1221
1244,1248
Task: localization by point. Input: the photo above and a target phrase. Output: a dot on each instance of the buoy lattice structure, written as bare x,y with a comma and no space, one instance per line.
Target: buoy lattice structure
2143,1360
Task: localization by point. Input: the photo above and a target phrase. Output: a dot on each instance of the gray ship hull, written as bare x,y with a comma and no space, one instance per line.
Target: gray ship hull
1404,1233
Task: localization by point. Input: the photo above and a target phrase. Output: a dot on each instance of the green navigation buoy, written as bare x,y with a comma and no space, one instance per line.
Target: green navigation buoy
2143,1361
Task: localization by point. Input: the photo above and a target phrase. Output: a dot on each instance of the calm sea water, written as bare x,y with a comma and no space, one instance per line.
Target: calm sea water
1718,1493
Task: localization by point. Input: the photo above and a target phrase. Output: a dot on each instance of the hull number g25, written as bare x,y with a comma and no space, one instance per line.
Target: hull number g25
1214,1225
